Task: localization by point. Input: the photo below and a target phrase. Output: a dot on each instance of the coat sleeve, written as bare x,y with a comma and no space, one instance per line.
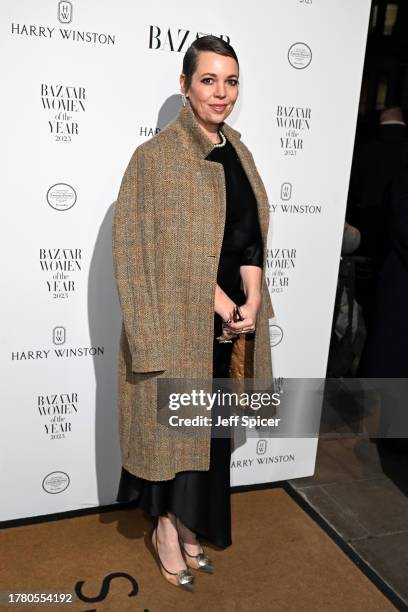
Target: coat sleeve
134,243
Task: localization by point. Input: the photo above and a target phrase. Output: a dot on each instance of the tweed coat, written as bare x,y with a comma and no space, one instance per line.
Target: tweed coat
167,233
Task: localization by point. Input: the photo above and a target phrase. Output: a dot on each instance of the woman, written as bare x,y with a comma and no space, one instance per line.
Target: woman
189,244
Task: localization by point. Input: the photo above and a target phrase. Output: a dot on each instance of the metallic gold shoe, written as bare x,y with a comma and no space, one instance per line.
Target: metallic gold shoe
185,578
201,561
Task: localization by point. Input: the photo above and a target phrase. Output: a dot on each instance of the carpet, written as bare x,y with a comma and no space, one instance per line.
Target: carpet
280,560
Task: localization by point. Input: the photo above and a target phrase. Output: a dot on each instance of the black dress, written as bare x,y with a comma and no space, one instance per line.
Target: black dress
201,499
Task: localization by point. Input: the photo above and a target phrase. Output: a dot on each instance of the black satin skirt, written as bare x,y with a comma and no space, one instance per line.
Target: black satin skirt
201,499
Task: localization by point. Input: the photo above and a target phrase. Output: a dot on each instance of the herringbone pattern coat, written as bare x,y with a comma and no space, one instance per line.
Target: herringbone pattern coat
167,233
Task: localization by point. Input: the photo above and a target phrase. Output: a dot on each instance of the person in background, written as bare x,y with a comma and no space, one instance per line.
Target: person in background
386,348
376,162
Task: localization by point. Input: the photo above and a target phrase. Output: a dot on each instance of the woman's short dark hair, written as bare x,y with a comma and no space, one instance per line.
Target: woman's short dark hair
204,43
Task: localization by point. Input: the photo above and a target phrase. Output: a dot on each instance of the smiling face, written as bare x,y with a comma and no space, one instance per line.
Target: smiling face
213,90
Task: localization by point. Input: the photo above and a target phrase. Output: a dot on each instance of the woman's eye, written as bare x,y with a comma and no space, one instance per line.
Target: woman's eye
209,80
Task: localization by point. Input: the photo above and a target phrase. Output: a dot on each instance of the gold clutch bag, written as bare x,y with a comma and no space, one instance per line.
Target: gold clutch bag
242,368
242,365
242,354
242,357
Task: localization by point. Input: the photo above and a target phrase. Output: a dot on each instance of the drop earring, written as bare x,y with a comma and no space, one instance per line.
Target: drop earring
184,99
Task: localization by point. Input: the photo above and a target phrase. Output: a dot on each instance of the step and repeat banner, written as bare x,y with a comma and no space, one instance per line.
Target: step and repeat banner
85,83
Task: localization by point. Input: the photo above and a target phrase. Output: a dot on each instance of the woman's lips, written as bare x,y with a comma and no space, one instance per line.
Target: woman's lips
218,107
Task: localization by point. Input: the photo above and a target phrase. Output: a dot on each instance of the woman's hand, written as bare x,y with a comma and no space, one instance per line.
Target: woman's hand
223,305
251,276
249,311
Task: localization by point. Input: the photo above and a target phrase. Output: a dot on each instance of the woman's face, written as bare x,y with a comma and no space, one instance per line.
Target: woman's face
214,88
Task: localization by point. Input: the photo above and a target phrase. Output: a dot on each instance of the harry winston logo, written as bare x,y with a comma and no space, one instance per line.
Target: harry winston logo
285,205
59,335
64,11
64,15
261,447
286,191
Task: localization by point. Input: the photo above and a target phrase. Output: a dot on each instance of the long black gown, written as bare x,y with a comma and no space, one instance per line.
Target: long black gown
201,499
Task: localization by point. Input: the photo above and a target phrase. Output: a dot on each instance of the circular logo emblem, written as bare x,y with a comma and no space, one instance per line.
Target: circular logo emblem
56,482
275,334
299,55
61,196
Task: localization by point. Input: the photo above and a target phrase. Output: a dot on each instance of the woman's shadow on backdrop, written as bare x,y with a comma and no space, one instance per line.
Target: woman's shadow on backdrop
105,319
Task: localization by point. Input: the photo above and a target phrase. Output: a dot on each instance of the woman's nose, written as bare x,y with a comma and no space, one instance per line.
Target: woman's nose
220,91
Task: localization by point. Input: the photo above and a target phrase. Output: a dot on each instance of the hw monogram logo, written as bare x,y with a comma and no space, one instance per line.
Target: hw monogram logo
59,335
261,446
64,11
286,191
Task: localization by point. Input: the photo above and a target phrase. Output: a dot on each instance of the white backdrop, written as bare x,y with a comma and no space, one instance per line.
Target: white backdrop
84,84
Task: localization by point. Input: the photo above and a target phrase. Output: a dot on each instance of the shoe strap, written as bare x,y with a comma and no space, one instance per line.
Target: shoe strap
200,554
184,573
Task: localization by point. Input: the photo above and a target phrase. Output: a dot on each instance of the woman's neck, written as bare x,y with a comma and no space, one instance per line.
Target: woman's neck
210,130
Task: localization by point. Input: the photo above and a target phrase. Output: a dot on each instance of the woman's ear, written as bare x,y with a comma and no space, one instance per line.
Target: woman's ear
182,81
